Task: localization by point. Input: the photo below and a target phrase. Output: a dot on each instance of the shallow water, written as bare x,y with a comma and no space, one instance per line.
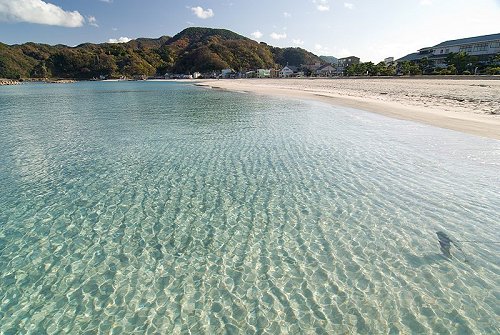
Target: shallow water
153,207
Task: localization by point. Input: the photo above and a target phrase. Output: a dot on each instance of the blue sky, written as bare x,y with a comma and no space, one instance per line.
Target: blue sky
368,29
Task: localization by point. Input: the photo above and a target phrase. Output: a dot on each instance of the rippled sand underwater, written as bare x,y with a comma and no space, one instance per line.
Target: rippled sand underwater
163,208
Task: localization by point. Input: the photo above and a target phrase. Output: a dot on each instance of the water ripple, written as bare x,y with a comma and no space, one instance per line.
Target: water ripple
166,208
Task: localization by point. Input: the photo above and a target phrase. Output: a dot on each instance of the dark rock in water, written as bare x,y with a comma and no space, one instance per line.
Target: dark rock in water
444,243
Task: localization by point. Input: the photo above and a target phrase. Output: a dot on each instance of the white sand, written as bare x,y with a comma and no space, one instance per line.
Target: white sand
467,105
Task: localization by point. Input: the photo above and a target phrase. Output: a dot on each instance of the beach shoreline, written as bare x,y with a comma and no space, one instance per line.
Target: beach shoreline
466,105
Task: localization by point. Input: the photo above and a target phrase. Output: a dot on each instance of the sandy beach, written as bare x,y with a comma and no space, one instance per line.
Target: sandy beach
467,105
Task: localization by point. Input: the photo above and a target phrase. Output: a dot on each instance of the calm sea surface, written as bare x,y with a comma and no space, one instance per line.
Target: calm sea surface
164,208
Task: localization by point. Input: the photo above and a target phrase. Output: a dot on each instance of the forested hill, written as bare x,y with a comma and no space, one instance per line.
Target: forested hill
193,49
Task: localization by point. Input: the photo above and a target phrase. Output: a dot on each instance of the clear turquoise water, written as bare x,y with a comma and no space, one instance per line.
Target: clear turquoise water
153,207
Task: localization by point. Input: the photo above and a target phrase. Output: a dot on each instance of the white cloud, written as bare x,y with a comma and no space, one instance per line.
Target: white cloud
287,15
40,12
322,5
114,29
331,51
108,1
318,47
119,40
277,36
342,52
92,21
327,51
256,34
298,41
202,13
348,5
425,2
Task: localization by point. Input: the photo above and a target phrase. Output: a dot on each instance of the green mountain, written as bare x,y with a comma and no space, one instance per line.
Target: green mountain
193,49
329,59
205,49
294,56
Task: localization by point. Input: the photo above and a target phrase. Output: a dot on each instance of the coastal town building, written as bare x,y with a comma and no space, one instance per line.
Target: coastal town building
226,73
344,63
311,67
250,74
389,61
326,70
484,47
263,73
288,71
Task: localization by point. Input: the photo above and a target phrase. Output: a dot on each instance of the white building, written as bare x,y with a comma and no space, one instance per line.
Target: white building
288,71
326,70
481,46
474,46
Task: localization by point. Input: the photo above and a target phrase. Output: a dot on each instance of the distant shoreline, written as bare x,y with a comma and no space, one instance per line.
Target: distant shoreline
467,105
7,82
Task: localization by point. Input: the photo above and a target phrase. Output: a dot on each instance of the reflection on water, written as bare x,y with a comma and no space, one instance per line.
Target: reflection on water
166,208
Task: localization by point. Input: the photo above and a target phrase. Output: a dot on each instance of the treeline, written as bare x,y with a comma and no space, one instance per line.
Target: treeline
371,69
194,49
459,63
455,64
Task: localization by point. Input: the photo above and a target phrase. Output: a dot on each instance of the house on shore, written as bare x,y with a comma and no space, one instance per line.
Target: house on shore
311,67
263,73
326,70
228,73
288,71
484,47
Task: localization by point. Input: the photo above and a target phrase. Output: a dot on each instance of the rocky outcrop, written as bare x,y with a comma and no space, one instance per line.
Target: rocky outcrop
4,82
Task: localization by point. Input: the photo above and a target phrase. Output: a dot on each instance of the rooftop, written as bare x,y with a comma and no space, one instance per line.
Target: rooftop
410,57
348,57
469,40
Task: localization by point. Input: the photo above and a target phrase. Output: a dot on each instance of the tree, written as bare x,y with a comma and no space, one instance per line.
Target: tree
405,68
409,69
351,70
425,65
451,69
383,69
40,70
371,69
493,70
461,61
496,59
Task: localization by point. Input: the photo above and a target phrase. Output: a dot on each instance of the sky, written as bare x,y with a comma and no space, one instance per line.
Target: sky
369,29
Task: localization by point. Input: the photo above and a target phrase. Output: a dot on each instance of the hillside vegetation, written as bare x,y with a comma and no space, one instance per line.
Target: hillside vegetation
193,49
